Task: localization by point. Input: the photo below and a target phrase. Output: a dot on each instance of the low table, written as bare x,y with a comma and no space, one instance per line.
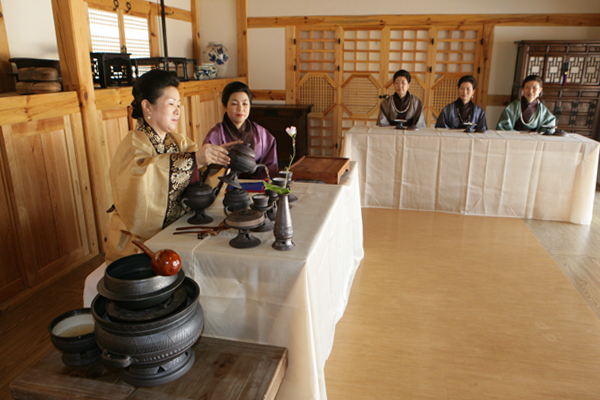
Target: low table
223,370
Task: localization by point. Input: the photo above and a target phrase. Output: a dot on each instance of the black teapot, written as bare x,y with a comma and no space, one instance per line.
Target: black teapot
241,160
236,199
197,198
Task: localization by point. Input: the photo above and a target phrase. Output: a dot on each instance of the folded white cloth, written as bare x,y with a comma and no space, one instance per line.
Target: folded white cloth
90,290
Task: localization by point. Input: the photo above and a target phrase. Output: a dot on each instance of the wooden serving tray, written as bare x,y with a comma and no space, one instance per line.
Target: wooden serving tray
320,168
223,370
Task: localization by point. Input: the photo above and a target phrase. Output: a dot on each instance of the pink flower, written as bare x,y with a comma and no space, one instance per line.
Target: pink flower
291,131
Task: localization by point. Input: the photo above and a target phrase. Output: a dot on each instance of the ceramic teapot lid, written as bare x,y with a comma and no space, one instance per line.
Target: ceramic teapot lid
245,219
236,195
243,149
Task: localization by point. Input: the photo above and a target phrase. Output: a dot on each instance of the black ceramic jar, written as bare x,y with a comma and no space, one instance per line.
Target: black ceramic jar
151,352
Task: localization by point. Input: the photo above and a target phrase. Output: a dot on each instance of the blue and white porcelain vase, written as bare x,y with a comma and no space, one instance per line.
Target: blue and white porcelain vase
206,71
217,54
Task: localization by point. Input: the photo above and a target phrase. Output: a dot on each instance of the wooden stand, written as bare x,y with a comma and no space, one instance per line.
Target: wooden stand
326,169
223,370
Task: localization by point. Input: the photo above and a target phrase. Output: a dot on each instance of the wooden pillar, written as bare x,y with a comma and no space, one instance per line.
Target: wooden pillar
153,32
430,73
486,64
7,83
242,37
338,77
290,64
197,51
74,52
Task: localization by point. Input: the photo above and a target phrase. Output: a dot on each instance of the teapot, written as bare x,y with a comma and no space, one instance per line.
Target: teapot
242,159
197,197
236,199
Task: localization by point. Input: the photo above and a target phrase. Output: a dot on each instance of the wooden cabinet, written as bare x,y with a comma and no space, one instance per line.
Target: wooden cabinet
275,118
47,214
571,74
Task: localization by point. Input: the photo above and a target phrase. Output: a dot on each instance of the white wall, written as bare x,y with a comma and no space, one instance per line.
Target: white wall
267,46
266,64
30,34
218,24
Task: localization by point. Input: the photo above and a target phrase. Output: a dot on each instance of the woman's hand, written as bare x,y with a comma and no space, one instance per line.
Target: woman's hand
213,154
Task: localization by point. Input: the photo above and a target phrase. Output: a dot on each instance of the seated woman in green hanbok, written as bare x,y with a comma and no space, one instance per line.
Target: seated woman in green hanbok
528,113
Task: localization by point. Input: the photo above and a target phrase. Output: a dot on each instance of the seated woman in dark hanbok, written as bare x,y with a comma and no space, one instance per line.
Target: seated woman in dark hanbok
463,110
401,105
236,126
528,113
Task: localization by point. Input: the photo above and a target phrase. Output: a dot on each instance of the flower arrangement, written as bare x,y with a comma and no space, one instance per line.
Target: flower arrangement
291,131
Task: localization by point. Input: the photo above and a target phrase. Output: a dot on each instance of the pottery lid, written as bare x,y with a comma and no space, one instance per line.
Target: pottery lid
245,219
236,195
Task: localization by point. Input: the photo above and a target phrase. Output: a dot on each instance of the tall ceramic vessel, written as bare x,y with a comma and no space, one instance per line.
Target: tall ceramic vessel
283,229
218,54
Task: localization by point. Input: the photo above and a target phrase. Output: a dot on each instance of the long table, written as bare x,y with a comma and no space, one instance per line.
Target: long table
498,173
291,298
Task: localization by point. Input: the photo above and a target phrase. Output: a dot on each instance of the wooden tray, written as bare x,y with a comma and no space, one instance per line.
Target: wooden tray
319,168
223,370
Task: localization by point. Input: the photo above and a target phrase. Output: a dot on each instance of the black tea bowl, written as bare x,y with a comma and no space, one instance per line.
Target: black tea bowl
73,334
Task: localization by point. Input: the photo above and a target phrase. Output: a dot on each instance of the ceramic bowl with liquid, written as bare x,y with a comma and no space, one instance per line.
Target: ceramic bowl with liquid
73,334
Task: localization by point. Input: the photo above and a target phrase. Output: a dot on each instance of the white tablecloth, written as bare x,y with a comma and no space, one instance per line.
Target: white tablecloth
284,298
509,174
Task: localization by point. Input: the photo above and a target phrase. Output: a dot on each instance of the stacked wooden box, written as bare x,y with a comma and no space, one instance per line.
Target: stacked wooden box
35,80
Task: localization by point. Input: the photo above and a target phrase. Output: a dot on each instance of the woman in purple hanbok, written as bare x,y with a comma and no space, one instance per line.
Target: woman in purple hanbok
236,99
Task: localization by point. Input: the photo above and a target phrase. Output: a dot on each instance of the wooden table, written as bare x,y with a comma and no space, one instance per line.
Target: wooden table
224,370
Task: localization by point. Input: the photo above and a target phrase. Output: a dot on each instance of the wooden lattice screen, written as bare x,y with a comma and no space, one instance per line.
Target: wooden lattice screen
362,50
316,86
360,95
362,78
317,90
408,50
360,74
457,52
444,93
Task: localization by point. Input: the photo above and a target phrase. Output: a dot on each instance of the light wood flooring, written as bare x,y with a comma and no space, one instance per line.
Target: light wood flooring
442,307
445,306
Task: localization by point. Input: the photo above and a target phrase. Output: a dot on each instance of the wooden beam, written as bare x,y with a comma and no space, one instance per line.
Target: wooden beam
175,13
242,36
107,99
74,54
7,82
141,7
35,107
192,88
269,95
429,20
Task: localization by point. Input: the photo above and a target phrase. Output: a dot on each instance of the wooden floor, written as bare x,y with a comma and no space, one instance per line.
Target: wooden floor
442,307
452,307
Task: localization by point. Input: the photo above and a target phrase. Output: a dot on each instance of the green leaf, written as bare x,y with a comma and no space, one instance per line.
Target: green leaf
276,188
